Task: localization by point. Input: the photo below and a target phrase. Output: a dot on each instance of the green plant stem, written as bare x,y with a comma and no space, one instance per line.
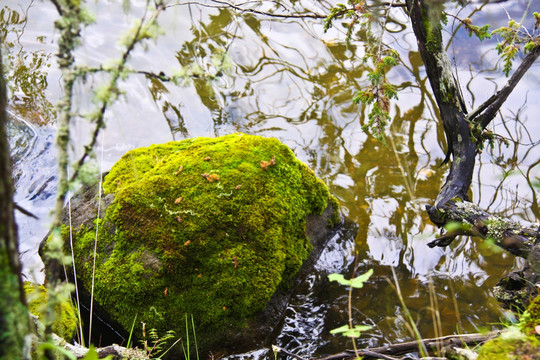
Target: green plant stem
194,337
349,305
395,285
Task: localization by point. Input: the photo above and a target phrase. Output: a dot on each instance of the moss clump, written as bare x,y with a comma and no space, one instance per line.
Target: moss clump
512,345
65,318
531,317
517,342
209,226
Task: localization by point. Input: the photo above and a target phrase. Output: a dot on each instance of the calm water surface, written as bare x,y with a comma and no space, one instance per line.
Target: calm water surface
290,80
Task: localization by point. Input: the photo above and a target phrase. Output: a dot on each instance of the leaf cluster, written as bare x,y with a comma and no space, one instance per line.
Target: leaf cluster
511,39
154,344
481,32
378,93
356,11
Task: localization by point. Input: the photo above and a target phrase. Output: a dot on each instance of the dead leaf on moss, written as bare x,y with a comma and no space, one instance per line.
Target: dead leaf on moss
165,292
187,243
179,219
237,187
179,170
207,158
211,177
177,201
265,164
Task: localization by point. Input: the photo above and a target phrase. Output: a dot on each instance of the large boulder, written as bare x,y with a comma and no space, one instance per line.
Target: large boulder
214,228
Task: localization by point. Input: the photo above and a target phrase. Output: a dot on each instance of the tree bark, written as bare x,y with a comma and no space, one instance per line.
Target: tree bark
509,235
14,320
462,145
427,29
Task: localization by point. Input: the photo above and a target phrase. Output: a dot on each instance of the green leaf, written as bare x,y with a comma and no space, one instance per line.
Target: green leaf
339,278
340,329
355,332
358,282
91,354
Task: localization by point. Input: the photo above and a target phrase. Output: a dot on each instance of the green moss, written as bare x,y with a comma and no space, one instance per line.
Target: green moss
516,342
207,226
65,318
431,18
531,317
512,345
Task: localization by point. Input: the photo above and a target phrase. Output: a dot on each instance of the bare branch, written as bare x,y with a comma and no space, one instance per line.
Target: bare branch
226,4
403,348
487,111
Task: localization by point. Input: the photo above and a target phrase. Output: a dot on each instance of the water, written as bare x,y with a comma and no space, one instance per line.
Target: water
290,80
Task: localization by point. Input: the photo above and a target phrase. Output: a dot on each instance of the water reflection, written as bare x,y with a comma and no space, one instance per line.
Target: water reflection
292,81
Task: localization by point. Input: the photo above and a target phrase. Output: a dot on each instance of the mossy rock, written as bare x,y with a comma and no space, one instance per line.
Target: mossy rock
209,227
65,316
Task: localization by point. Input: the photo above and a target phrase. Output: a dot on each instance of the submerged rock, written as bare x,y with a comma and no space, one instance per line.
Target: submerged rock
211,228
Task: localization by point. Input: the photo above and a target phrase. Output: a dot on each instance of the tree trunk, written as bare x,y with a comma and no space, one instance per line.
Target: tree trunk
452,203
14,320
427,29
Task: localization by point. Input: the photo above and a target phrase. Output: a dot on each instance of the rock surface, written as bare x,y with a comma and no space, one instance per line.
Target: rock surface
214,228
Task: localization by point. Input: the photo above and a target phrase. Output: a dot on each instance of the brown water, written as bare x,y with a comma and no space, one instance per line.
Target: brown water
289,80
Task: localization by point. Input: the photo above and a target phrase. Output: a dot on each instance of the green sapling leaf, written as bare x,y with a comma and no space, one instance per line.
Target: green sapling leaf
339,278
358,282
355,332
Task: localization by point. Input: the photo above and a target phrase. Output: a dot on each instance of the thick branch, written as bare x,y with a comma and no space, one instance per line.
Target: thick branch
509,235
427,30
487,111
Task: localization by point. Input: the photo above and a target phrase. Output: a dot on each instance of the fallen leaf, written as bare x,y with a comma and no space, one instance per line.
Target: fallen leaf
224,308
211,177
166,291
237,187
265,164
179,170
199,276
207,158
235,262
179,219
177,201
187,243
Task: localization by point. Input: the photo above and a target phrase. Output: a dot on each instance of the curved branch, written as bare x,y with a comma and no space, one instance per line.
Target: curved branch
487,111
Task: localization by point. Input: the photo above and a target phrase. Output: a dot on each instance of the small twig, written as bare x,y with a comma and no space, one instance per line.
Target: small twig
24,211
225,4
